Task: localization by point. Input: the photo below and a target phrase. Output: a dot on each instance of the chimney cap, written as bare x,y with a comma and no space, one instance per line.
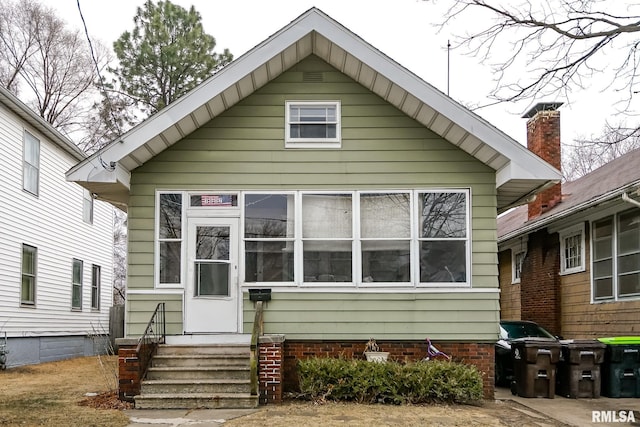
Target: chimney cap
542,106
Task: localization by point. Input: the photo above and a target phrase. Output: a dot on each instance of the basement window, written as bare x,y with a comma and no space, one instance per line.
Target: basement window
312,124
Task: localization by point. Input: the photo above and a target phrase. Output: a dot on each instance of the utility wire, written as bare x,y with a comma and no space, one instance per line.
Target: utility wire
104,91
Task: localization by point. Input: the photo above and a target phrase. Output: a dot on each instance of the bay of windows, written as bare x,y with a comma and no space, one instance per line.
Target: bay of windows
339,239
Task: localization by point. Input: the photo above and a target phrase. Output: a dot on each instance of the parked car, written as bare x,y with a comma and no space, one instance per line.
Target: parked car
509,331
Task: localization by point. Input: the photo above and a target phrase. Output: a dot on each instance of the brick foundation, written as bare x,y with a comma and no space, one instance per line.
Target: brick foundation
479,354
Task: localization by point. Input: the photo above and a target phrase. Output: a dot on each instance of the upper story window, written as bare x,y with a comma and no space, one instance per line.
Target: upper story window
572,250
312,124
31,164
616,256
87,206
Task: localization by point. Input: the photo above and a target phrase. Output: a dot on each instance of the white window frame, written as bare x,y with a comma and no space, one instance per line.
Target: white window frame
158,240
29,138
357,280
291,142
516,265
96,279
33,276
615,255
87,206
77,285
564,235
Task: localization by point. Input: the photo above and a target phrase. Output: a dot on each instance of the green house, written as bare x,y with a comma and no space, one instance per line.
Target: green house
317,170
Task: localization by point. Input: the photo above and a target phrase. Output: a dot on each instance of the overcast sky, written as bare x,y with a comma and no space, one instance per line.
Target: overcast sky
401,29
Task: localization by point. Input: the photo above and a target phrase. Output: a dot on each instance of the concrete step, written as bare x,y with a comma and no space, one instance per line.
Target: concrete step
228,349
165,360
198,372
196,400
195,386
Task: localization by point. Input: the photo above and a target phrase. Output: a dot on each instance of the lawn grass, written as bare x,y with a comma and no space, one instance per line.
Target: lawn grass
49,394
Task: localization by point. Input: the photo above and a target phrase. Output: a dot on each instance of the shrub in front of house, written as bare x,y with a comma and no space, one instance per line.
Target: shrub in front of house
391,382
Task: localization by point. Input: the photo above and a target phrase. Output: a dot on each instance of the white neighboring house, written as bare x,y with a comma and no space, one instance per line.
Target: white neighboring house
56,245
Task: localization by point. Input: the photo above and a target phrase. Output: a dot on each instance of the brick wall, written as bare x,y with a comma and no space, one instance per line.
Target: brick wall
540,281
543,139
270,369
479,354
131,368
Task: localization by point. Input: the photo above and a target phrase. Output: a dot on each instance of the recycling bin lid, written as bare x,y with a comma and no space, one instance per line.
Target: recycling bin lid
620,340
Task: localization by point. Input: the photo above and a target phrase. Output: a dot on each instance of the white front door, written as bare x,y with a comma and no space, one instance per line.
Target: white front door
211,293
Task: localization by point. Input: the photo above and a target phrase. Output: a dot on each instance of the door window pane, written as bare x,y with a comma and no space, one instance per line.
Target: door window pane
212,279
212,243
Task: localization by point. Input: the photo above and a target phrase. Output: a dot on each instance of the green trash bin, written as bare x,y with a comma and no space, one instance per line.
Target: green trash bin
621,368
534,366
578,371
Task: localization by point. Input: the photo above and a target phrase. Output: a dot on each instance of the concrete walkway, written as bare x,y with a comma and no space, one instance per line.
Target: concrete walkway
572,412
578,412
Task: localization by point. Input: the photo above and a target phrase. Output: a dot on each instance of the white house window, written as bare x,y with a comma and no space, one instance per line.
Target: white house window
443,226
316,124
572,250
95,287
76,288
516,263
87,206
169,238
385,237
327,237
31,164
269,237
28,288
616,256
368,238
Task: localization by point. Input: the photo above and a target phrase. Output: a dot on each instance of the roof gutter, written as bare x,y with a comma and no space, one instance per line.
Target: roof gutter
537,225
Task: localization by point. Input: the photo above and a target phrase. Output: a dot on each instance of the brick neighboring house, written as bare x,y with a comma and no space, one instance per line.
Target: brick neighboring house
570,260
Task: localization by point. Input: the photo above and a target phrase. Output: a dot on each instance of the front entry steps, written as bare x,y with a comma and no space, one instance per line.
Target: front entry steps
211,376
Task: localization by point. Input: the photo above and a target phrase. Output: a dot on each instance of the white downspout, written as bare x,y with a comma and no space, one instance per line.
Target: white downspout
628,199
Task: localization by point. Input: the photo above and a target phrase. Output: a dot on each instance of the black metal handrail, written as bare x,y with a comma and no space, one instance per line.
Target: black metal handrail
153,335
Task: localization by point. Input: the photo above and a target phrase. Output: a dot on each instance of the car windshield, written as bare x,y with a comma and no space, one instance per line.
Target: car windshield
524,330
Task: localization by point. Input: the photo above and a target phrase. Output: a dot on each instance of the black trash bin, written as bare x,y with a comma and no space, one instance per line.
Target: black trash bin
621,367
534,366
578,371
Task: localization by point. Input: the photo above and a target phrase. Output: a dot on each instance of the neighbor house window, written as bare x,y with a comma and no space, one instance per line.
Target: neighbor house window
572,250
169,238
357,238
87,206
95,287
312,122
516,263
76,288
616,256
31,164
28,289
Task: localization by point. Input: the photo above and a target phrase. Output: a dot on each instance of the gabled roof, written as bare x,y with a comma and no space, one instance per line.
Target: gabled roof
605,184
519,173
10,101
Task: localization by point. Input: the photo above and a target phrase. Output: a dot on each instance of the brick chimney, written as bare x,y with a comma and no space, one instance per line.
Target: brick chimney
543,139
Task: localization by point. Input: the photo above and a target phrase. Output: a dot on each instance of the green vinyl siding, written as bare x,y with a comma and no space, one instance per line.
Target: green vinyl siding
140,308
440,316
382,148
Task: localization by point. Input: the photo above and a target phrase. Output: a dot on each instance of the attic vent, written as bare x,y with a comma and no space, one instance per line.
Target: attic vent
313,77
